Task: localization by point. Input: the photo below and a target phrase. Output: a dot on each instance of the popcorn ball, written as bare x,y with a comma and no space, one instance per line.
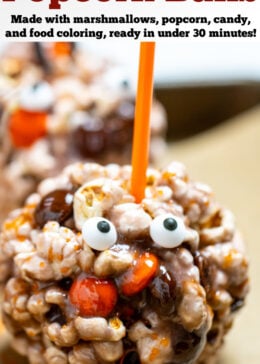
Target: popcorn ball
91,276
62,114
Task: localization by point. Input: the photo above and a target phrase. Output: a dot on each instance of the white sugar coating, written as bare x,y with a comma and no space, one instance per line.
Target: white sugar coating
224,231
193,311
83,352
99,329
61,335
39,97
54,355
162,193
37,305
110,351
130,219
111,262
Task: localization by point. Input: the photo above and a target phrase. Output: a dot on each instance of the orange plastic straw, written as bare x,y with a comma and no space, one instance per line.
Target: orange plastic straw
141,140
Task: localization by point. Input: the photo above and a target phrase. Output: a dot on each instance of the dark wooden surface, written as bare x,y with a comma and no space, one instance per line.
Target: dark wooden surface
192,109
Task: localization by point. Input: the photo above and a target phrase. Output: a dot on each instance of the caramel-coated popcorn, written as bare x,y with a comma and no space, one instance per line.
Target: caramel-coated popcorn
91,276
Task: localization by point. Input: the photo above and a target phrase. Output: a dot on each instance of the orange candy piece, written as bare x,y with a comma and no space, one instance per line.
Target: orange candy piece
93,297
139,275
62,49
26,127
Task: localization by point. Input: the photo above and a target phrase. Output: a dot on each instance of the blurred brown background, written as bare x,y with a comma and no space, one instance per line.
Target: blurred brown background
194,108
221,126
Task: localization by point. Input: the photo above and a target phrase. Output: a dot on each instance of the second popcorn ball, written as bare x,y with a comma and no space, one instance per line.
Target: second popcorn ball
93,277
51,119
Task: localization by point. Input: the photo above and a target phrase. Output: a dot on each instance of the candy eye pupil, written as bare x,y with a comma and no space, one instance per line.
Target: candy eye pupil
170,224
103,226
125,84
35,86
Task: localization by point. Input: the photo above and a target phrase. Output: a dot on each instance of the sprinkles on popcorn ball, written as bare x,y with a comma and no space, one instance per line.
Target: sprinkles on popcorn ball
122,264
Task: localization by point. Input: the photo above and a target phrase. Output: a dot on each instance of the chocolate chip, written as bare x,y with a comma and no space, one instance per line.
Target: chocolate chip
95,135
55,206
55,314
118,133
181,347
128,310
185,344
118,126
163,290
65,283
147,324
131,357
89,138
237,304
208,273
212,336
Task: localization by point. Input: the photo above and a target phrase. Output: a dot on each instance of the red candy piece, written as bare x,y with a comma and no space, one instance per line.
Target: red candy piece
26,127
93,297
139,275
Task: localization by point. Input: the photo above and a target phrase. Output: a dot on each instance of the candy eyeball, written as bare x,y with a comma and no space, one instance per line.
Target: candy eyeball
119,79
168,231
38,97
99,233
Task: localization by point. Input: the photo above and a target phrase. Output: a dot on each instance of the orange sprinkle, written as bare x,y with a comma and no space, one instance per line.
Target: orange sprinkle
230,258
115,323
150,180
30,206
164,341
21,239
30,333
50,254
2,327
65,270
35,287
59,257
15,223
140,154
154,353
42,265
154,336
